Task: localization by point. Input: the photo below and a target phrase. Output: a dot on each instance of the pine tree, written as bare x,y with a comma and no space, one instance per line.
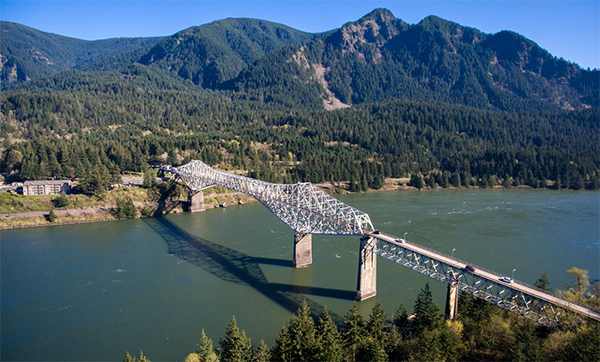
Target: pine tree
128,358
543,282
235,346
205,349
355,328
296,341
262,353
426,310
328,339
142,358
377,323
282,350
401,321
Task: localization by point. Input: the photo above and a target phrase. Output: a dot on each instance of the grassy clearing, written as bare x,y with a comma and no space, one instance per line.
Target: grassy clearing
15,204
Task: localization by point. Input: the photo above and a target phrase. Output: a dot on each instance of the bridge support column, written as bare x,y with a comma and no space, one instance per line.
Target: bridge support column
366,287
302,250
452,301
196,201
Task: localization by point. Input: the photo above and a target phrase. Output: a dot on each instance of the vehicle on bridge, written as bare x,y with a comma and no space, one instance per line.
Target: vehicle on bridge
506,279
469,268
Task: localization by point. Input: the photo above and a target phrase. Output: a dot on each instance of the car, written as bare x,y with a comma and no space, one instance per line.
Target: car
376,232
506,279
399,240
469,268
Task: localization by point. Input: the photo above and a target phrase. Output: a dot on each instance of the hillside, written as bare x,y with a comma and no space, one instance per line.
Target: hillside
213,53
27,54
381,57
438,102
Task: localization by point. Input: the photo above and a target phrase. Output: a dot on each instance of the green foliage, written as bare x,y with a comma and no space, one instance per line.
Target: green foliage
328,340
125,208
149,179
52,216
427,311
262,353
55,53
204,349
297,340
482,332
140,358
235,346
578,287
61,201
543,282
355,329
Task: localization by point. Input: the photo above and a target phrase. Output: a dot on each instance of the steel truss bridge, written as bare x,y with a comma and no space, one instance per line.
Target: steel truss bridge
306,209
303,207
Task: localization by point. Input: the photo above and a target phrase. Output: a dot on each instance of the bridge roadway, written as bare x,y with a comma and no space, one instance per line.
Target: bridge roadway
492,277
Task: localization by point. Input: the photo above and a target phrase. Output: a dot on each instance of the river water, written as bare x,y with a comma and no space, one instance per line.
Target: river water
93,291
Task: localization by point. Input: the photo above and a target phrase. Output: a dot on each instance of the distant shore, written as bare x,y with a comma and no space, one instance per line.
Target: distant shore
80,215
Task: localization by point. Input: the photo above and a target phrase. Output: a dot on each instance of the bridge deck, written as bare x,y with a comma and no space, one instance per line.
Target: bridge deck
515,286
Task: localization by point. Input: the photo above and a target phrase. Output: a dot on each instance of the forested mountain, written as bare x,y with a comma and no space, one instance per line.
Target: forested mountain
213,53
443,104
26,53
381,57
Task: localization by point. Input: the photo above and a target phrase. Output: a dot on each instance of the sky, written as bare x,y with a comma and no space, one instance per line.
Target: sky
569,29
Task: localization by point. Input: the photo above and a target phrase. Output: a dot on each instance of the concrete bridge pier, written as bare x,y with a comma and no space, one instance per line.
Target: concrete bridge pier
366,287
452,301
302,250
196,201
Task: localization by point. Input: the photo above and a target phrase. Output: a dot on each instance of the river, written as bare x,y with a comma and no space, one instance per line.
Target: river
93,291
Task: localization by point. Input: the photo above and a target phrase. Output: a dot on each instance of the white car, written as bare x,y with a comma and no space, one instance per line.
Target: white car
506,279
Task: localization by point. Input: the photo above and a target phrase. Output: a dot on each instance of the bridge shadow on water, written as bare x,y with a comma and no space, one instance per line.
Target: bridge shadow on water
236,267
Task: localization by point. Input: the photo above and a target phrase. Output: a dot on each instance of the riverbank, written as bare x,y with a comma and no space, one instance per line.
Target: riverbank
95,210
88,209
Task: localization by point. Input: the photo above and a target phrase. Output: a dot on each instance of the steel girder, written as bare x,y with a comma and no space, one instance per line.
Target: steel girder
303,206
500,295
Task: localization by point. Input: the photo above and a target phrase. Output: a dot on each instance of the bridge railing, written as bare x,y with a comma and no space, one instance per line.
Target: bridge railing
541,290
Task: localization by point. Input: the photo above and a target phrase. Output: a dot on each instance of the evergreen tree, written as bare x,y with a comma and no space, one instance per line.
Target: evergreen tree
262,353
128,358
204,349
282,350
296,341
328,339
376,326
416,180
355,329
142,358
426,311
235,346
543,282
401,321
52,216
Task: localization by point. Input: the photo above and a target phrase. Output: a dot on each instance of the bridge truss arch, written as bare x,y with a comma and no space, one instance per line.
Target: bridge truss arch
304,207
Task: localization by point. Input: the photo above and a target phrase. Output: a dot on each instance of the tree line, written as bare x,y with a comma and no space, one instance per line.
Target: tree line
481,332
102,130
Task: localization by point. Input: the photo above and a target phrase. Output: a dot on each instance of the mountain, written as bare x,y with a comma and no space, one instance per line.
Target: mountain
27,54
376,58
444,103
381,57
213,53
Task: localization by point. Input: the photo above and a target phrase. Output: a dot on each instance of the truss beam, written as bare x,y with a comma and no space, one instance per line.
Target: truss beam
303,207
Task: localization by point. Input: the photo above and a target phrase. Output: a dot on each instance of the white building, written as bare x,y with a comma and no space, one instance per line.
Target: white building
47,187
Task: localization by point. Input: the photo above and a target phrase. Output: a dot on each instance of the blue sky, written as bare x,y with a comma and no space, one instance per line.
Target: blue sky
569,29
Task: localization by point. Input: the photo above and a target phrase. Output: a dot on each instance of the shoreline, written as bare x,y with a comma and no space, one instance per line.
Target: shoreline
101,214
